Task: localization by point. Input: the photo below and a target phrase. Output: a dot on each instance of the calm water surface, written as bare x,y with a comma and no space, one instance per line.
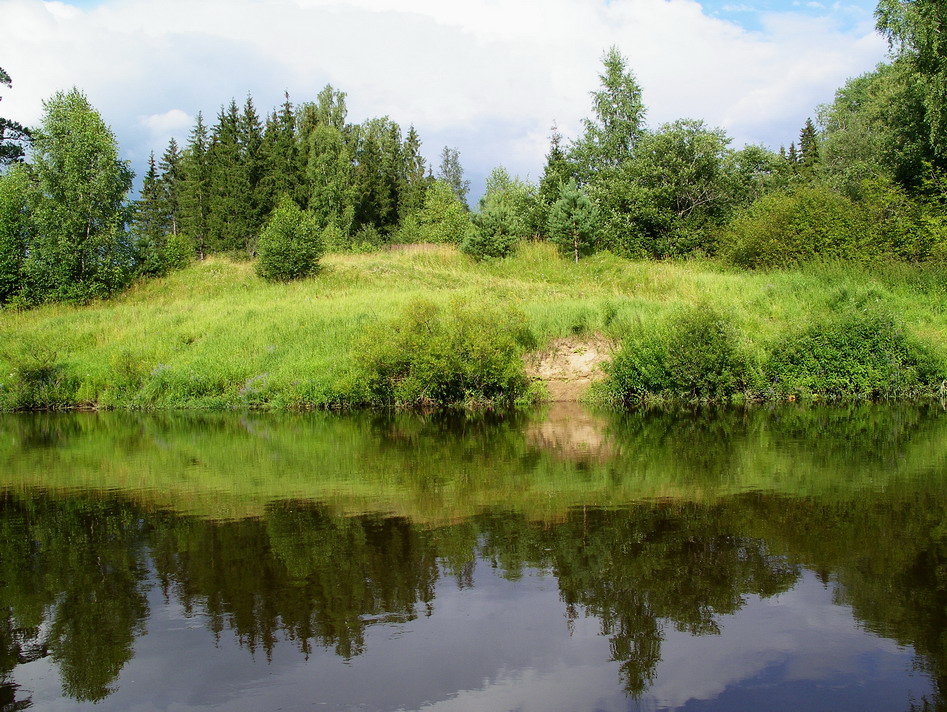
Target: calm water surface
779,559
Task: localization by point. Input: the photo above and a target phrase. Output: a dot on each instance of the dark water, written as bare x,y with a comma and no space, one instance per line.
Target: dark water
778,559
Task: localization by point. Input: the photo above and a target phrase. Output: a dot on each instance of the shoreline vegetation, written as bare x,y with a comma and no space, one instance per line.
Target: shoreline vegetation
299,260
427,326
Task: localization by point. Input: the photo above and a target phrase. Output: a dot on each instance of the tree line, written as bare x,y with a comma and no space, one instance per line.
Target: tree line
866,180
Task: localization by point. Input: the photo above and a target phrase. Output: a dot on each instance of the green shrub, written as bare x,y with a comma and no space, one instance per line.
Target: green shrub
290,244
435,356
858,352
493,236
695,355
443,218
39,381
783,228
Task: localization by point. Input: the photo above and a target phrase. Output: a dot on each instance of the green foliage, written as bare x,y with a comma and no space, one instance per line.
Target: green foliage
507,210
289,246
14,230
669,198
610,137
573,222
874,129
443,218
13,136
452,173
815,222
466,354
39,380
78,207
784,228
915,30
695,355
860,351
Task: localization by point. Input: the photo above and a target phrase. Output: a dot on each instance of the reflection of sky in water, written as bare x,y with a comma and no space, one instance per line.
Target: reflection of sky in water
505,645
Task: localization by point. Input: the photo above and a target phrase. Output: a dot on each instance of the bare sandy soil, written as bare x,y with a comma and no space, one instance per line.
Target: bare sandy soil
569,366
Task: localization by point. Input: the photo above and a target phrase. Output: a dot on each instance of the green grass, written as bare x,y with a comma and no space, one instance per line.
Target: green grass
215,335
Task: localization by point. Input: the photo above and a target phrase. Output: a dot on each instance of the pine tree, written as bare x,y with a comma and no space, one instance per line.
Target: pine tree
572,221
195,188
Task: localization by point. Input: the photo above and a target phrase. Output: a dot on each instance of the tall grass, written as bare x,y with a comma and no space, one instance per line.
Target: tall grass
215,335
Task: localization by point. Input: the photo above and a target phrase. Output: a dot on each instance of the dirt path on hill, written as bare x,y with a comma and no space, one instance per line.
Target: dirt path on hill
569,366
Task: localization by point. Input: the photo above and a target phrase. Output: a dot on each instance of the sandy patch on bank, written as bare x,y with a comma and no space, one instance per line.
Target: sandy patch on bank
569,366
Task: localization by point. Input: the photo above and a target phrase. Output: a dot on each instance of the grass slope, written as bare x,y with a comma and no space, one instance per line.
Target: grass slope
216,336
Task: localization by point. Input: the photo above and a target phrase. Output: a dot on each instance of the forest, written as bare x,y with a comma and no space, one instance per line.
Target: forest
863,184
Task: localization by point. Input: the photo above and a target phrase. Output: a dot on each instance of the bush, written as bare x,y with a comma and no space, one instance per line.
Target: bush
443,218
696,355
492,236
290,244
436,356
783,228
39,381
857,353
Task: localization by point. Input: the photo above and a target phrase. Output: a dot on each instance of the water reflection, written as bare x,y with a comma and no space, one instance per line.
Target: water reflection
319,535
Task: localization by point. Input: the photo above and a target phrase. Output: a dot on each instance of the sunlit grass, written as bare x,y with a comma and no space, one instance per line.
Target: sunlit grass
215,335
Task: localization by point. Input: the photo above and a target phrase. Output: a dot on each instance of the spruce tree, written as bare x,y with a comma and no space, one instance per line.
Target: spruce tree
230,218
558,170
250,138
195,188
281,153
171,180
808,147
413,178
150,224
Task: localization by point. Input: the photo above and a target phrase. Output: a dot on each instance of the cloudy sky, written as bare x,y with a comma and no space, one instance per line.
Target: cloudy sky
485,76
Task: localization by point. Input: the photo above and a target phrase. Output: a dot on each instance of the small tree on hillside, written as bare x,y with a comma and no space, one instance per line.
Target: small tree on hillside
572,221
290,244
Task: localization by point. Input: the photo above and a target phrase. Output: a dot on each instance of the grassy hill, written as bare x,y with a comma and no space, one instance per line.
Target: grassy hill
216,336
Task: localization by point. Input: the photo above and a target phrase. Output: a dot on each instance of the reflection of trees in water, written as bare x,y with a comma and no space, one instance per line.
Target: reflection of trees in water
71,587
73,568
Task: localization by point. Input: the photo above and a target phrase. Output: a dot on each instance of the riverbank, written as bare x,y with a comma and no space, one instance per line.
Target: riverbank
216,336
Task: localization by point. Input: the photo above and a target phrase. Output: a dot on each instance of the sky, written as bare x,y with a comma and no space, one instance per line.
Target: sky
488,77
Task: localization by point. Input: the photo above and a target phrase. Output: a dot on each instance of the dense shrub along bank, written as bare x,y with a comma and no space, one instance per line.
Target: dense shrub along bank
859,352
464,354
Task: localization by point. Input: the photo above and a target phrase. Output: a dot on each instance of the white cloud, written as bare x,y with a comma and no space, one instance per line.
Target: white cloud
488,77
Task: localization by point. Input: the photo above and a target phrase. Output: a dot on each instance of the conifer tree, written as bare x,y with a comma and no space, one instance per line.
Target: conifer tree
808,146
170,183
230,218
572,221
413,179
558,170
150,225
13,136
281,153
195,188
250,138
